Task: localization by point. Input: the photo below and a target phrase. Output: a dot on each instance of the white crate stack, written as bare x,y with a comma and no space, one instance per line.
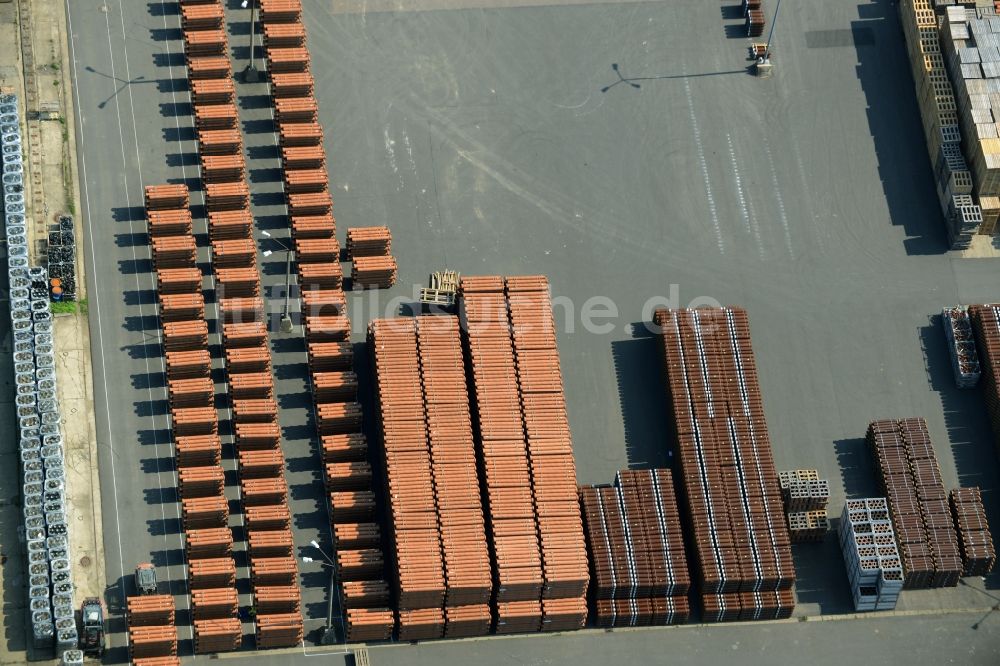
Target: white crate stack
870,553
46,528
961,346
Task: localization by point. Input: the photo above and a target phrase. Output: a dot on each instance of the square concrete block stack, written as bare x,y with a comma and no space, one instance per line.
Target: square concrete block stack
152,631
327,327
805,496
729,488
918,504
953,108
961,346
639,574
978,554
874,568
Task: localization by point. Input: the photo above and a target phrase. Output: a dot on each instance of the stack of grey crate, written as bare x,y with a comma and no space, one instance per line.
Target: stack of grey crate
873,564
46,530
961,346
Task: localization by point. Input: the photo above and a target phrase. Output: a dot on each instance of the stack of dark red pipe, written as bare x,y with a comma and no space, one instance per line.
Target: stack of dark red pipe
357,541
918,503
639,574
753,13
986,326
978,554
443,580
524,446
152,632
731,495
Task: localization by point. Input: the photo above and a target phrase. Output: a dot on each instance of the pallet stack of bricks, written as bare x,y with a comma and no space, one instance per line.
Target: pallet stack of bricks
442,566
638,569
191,393
152,629
729,488
805,496
870,554
918,504
333,383
986,327
939,112
535,526
978,554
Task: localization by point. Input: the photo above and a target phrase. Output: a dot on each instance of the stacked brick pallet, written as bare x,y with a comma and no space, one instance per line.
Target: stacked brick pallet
910,477
152,631
940,114
443,580
730,490
986,327
524,447
638,569
351,503
978,553
805,496
870,554
191,392
247,355
372,264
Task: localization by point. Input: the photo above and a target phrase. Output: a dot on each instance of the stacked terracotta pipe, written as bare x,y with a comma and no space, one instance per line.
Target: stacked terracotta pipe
918,504
191,393
369,248
443,580
639,573
248,365
347,475
152,629
730,490
978,554
536,530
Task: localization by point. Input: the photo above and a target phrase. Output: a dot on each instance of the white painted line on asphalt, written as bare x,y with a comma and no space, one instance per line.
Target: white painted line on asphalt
703,163
135,258
781,201
96,299
749,221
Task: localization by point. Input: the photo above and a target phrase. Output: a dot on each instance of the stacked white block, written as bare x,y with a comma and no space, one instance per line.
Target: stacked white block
874,568
50,587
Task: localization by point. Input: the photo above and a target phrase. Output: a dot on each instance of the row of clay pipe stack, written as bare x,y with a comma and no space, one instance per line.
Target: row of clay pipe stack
534,522
347,474
152,630
263,489
443,578
194,421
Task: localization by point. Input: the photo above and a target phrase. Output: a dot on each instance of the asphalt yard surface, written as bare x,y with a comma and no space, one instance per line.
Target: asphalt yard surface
490,142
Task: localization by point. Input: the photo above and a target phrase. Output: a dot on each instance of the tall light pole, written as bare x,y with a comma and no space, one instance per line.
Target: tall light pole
250,74
286,318
329,634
